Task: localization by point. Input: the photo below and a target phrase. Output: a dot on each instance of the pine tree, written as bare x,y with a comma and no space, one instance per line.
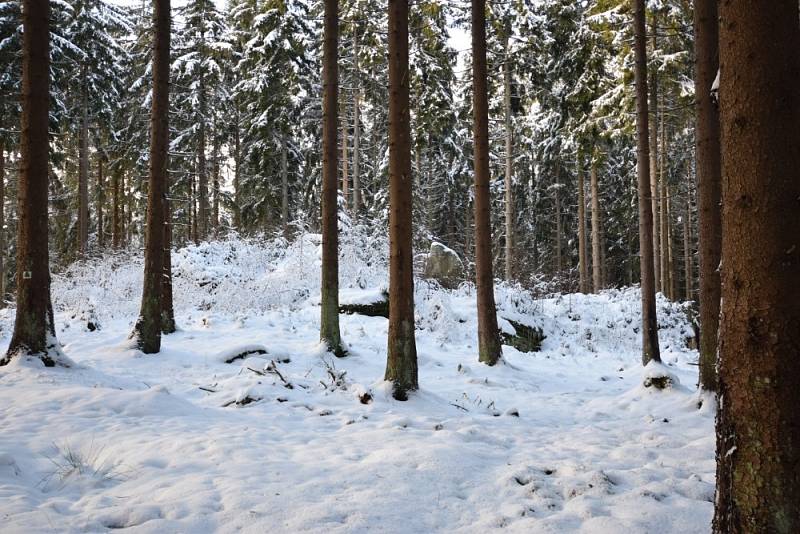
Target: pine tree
147,331
34,329
489,348
650,348
329,308
401,360
709,185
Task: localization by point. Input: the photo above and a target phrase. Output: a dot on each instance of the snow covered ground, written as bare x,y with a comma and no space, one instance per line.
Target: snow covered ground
290,439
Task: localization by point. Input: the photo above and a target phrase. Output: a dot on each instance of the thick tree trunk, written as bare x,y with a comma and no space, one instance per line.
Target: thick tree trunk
329,308
583,269
147,331
83,166
597,261
100,198
509,164
758,424
653,132
489,347
116,219
202,177
401,361
285,186
34,331
650,349
709,186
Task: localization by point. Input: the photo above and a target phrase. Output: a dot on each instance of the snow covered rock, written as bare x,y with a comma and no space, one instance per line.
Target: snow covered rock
443,265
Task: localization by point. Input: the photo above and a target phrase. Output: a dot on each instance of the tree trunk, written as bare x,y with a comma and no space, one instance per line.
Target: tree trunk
147,331
650,349
662,215
709,186
688,275
559,229
284,186
237,156
356,131
401,361
83,166
2,224
653,132
101,198
215,177
345,157
34,331
758,424
167,308
582,265
670,242
509,164
329,308
489,348
202,177
597,262
116,219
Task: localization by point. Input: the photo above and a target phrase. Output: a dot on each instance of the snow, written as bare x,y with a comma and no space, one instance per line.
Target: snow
291,439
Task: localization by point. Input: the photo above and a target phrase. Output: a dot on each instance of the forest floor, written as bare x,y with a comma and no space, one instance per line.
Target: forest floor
292,439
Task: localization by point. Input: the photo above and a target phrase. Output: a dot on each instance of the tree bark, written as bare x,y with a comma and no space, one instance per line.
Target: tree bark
758,424
489,348
650,349
509,163
663,217
709,186
83,166
401,361
147,331
329,308
34,331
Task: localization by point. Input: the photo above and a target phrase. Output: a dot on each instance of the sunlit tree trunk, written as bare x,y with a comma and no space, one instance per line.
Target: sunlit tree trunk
758,423
650,349
147,331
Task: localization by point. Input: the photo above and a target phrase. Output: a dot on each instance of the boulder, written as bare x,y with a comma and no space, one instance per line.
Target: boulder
526,339
443,265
